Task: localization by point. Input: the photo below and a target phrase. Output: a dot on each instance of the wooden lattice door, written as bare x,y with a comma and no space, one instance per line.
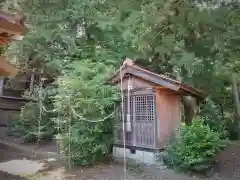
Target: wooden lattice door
142,120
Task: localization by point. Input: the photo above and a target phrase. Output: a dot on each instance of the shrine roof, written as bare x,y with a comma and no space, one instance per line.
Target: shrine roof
129,67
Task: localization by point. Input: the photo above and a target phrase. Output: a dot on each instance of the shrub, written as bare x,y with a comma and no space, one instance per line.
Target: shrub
27,125
195,149
89,142
83,101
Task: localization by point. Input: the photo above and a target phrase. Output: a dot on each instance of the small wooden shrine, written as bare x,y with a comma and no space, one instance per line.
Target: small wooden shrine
151,109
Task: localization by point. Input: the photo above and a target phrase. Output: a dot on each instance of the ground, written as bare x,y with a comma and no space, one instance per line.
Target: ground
227,168
5,155
111,171
228,161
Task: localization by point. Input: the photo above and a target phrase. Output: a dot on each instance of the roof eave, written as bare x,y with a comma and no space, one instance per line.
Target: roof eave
114,78
176,85
192,91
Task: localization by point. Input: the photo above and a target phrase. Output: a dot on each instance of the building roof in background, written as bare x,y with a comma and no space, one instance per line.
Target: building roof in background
12,28
12,22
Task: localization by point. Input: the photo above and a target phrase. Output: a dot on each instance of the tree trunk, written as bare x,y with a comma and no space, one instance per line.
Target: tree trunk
222,111
238,90
237,103
190,109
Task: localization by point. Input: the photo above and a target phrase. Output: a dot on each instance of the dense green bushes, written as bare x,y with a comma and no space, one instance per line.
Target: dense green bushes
219,120
86,106
211,115
27,126
89,142
195,149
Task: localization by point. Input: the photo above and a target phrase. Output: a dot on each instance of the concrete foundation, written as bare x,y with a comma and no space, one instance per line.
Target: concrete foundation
139,156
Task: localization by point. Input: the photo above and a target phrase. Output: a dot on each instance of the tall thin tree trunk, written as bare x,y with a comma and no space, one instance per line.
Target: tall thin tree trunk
237,103
238,87
190,109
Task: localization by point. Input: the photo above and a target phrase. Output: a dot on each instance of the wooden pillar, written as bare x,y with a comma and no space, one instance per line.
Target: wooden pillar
1,85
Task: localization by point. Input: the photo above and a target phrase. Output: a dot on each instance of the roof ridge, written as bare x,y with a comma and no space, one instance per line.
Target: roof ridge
156,74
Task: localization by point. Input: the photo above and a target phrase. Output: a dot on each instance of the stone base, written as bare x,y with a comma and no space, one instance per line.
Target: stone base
139,156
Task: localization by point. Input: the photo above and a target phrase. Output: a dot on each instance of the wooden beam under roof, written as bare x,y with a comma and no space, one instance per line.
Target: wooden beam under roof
6,68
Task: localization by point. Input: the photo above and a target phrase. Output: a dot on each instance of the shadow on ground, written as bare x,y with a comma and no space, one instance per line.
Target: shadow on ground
6,176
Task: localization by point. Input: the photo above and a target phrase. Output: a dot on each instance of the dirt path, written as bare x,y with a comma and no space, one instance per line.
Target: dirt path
109,171
228,161
115,172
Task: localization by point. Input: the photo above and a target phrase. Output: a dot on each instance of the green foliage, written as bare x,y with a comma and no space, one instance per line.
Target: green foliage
89,142
83,102
195,149
218,120
27,126
211,116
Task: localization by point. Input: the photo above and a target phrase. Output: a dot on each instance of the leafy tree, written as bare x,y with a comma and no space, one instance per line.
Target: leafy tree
86,105
196,41
33,125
